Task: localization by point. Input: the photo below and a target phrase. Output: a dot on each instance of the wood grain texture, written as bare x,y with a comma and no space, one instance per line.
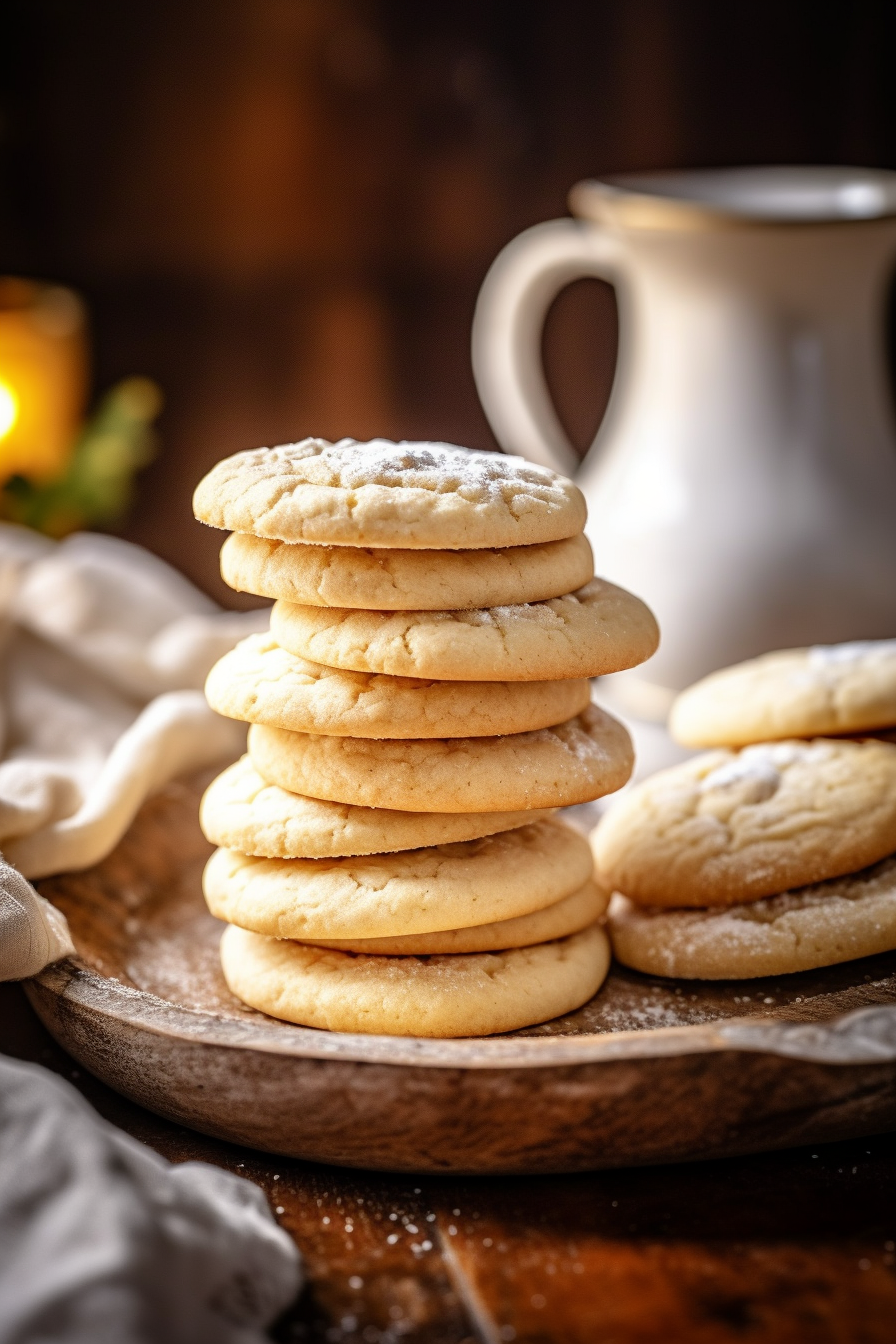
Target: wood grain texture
648,1072
794,1247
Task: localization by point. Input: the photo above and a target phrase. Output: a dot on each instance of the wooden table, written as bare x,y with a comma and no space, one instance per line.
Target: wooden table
792,1248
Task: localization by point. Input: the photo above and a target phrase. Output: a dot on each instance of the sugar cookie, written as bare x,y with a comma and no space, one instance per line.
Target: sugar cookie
441,996
401,580
262,683
241,811
566,916
415,891
433,496
819,925
837,688
575,762
728,827
599,629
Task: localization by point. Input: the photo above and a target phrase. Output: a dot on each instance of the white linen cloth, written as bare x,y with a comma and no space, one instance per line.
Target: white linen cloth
103,1242
33,933
104,652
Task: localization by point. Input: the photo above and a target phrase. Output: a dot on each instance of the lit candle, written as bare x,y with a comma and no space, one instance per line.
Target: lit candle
43,378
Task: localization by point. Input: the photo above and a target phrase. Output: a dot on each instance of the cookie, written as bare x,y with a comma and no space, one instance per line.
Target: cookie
430,496
262,683
441,996
579,760
240,811
402,580
728,827
599,629
415,891
837,688
819,925
569,915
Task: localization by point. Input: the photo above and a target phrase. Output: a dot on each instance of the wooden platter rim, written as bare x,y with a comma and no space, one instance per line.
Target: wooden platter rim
859,1037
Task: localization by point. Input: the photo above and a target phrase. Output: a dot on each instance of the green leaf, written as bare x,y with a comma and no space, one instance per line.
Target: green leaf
97,486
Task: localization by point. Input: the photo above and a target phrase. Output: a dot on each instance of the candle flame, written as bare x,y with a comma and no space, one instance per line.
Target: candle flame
9,409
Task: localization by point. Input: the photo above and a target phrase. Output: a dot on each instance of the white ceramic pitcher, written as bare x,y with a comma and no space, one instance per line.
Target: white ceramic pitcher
744,478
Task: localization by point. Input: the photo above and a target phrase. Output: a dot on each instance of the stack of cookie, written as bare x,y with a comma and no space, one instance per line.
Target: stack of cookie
389,861
777,851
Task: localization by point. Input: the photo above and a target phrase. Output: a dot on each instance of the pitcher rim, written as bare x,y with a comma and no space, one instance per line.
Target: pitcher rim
712,198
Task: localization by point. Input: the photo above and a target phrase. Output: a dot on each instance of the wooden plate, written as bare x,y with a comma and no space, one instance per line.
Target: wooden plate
648,1071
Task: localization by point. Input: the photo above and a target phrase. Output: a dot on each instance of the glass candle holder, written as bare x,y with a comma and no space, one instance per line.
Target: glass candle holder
43,377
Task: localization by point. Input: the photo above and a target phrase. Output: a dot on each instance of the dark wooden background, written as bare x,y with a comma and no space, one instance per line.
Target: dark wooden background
282,209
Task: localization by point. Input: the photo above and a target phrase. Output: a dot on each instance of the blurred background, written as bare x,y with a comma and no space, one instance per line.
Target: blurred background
281,211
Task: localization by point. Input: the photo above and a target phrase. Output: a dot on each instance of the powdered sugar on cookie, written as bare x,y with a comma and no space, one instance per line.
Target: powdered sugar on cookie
828,689
822,656
757,770
409,495
725,827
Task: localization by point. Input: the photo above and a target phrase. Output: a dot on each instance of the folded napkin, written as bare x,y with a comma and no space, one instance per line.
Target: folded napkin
103,1242
104,651
33,933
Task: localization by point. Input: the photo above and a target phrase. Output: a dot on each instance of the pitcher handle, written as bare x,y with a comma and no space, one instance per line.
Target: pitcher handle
522,283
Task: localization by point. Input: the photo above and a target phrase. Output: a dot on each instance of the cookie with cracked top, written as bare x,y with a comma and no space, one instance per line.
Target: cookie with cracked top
734,826
598,629
429,496
260,682
240,810
828,689
574,762
389,579
819,925
477,994
416,891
